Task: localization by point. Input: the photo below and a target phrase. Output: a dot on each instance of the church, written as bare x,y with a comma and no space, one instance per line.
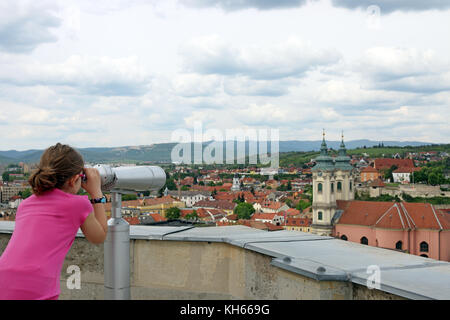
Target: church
415,228
332,181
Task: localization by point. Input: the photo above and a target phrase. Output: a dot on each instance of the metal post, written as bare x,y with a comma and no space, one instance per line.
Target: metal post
117,253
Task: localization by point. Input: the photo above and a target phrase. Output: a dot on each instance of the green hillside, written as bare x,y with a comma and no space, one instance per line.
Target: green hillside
300,158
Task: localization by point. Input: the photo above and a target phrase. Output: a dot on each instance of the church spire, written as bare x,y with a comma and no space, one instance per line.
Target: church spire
343,160
323,161
323,147
342,149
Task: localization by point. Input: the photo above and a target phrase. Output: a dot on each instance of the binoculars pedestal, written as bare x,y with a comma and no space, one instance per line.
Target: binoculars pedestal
117,253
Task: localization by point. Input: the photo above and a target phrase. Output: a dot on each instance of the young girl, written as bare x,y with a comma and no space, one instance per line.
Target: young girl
47,223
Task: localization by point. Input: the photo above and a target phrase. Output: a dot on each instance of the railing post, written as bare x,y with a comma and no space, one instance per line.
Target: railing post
117,253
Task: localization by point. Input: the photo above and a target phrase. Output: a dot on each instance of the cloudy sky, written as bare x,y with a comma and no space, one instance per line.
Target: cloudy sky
130,72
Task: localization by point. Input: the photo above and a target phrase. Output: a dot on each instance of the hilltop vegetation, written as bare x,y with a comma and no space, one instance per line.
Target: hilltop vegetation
388,152
300,158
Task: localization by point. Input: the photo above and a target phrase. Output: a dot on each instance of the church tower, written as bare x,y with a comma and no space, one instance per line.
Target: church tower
345,184
324,192
236,184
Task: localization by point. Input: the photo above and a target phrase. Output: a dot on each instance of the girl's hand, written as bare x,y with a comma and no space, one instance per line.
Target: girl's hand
93,183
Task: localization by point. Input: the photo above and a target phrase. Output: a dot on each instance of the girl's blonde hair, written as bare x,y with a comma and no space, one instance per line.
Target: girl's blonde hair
58,163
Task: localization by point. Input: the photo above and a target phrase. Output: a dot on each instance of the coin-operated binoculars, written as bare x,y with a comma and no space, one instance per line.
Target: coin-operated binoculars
123,180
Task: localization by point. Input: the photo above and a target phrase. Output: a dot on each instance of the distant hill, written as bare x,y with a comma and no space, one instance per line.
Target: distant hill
161,153
289,146
6,160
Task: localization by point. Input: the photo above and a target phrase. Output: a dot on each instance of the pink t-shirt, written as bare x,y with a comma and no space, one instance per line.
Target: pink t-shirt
46,226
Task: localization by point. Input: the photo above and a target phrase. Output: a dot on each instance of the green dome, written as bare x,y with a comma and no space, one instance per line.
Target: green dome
343,160
323,161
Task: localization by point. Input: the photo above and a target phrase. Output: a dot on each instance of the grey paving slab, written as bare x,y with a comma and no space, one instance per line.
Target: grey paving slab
215,234
344,255
429,282
154,232
310,269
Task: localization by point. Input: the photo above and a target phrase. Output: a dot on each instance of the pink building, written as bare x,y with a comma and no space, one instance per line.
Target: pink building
416,228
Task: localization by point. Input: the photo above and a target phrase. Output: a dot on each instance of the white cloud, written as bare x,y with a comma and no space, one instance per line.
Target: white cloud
386,5
232,5
102,76
292,58
194,85
405,69
26,24
242,85
388,63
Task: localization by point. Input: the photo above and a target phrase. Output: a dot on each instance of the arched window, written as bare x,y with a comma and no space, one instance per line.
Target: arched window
399,245
319,215
424,255
423,246
332,187
339,186
344,237
364,240
319,188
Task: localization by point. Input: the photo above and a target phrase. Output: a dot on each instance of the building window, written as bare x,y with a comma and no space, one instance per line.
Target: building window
364,241
351,186
319,188
319,215
423,246
344,237
399,245
424,255
332,187
339,186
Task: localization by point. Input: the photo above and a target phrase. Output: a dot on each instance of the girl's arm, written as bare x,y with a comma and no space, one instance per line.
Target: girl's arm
95,227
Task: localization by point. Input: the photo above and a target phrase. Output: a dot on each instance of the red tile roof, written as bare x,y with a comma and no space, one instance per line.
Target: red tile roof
218,204
132,220
293,212
232,217
377,183
387,163
272,205
156,201
406,170
369,169
254,224
393,215
157,217
263,216
272,227
210,214
298,222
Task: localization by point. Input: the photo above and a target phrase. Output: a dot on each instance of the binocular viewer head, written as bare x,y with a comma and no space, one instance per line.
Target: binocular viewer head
131,179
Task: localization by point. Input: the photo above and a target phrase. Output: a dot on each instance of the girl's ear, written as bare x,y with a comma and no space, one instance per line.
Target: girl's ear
73,180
